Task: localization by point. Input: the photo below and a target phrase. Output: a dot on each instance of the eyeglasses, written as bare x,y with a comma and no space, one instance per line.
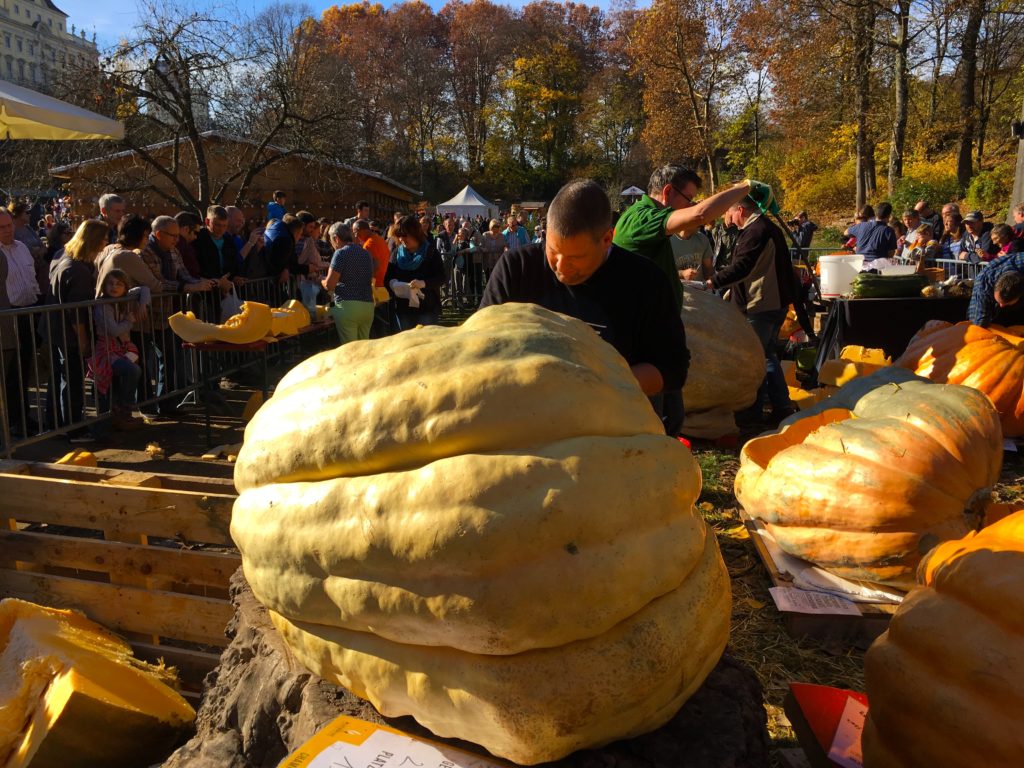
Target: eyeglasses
682,194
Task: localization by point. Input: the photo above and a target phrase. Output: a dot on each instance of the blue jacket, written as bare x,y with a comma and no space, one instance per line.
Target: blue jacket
983,307
279,247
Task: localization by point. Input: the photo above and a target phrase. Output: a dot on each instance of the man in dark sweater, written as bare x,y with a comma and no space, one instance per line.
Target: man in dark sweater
762,285
625,298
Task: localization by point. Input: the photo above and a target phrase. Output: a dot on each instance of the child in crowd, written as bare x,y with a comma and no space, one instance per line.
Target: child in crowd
114,364
926,248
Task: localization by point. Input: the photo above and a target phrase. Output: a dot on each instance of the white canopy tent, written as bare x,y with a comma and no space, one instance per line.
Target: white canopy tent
468,202
27,114
632,192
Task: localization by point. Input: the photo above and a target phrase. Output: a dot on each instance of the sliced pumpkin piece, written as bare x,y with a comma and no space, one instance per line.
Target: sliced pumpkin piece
251,324
71,689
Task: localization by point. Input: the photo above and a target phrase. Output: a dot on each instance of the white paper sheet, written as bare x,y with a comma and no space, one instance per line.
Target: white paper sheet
805,601
389,750
846,747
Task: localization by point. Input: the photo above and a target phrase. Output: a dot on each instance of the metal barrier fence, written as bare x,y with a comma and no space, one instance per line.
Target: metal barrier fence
957,268
50,388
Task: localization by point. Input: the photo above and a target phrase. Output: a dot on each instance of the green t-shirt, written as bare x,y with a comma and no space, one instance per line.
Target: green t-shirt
641,229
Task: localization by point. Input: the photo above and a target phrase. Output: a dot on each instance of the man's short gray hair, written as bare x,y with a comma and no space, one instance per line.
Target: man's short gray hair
109,199
361,224
161,223
232,208
340,231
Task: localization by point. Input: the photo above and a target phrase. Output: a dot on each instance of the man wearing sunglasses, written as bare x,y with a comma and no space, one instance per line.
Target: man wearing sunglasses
646,228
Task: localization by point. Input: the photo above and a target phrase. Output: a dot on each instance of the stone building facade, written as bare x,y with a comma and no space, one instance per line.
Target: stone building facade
36,47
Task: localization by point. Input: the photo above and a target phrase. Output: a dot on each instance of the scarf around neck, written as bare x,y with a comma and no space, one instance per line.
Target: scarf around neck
410,261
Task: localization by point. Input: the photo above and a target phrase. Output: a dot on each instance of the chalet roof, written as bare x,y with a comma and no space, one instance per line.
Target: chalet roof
221,135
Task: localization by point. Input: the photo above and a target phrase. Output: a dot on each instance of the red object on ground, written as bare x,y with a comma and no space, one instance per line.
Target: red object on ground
815,711
684,441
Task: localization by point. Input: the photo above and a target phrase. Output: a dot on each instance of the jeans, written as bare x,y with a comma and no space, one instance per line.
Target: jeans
767,325
122,385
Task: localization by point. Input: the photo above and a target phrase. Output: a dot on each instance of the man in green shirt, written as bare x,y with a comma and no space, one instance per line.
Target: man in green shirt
646,228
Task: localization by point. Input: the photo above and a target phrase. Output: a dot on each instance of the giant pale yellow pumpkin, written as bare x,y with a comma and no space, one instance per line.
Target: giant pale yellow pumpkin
251,324
486,528
946,681
990,360
726,364
866,481
72,694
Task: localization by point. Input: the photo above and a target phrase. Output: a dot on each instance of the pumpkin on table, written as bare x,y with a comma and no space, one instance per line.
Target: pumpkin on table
866,481
486,528
991,360
946,681
251,324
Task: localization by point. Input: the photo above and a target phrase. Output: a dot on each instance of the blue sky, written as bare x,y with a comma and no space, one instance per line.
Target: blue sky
112,19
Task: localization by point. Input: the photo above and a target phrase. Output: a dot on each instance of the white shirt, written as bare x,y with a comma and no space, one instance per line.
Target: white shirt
22,287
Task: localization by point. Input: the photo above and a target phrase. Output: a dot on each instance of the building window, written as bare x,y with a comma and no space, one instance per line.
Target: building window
32,48
19,45
17,10
21,70
7,40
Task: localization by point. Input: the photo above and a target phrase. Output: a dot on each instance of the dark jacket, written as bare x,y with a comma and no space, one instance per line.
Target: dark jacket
278,248
211,263
760,275
430,271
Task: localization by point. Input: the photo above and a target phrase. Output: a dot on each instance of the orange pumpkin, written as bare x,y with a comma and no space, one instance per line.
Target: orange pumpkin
865,482
946,681
991,360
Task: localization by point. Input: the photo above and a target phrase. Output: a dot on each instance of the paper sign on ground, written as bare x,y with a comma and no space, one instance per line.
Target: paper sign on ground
347,742
846,748
804,601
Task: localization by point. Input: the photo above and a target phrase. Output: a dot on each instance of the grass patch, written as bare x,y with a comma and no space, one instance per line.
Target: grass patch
757,635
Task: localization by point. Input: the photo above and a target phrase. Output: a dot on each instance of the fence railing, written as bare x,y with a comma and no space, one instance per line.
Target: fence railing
48,387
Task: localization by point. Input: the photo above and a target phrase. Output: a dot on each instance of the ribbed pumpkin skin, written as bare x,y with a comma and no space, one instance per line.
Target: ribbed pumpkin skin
486,528
726,359
946,681
991,360
540,705
859,492
502,381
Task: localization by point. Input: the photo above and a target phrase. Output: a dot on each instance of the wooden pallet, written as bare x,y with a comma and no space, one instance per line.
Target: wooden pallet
859,631
146,555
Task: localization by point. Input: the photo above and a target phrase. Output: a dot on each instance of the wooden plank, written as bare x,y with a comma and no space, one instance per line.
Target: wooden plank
178,565
171,514
859,631
192,666
126,609
216,485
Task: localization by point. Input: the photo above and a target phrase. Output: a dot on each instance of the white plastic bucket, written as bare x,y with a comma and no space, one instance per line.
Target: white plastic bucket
838,272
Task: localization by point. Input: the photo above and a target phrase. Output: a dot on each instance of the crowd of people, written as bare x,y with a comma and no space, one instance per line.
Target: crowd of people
384,279
922,236
378,279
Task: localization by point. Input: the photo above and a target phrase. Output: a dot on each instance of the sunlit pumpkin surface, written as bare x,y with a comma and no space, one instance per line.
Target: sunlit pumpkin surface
484,527
865,482
946,682
990,360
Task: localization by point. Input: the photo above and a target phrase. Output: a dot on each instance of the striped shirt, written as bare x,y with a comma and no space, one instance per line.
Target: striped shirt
22,286
983,307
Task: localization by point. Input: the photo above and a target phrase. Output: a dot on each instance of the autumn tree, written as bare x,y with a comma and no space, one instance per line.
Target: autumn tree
481,38
690,59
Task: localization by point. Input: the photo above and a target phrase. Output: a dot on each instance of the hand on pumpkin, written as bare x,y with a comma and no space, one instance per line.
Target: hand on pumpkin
688,274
